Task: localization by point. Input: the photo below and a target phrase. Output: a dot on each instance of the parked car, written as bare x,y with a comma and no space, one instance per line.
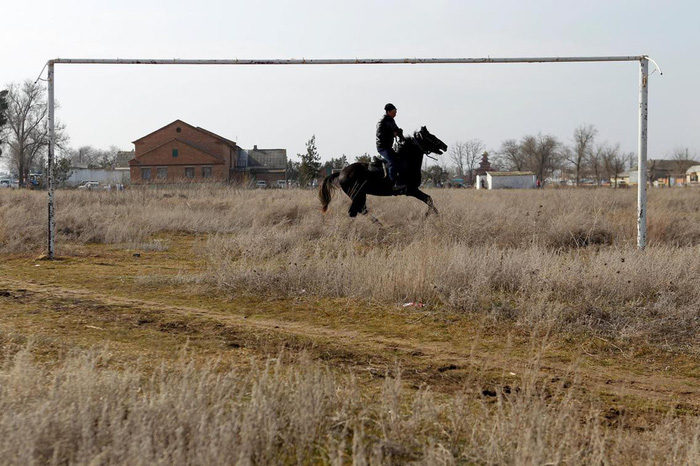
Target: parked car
261,184
281,184
7,183
89,185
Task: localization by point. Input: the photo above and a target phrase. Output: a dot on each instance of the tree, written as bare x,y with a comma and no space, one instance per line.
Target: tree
596,163
511,156
475,148
614,163
27,132
465,157
435,175
3,115
62,171
334,164
458,156
542,154
90,157
293,170
682,158
584,136
364,158
310,166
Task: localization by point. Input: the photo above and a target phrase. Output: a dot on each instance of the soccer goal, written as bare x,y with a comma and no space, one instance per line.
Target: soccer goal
643,105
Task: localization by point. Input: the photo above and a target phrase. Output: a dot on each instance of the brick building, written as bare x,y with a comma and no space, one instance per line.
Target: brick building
180,152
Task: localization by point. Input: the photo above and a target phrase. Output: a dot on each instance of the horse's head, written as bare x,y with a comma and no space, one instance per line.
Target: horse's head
429,142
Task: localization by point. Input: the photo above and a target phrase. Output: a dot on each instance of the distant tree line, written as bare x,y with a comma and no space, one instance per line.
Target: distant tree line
584,160
24,144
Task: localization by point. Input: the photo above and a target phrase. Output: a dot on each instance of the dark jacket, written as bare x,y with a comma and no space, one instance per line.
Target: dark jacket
385,132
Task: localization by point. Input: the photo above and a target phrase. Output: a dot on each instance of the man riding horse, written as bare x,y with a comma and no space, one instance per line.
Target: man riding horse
387,130
359,179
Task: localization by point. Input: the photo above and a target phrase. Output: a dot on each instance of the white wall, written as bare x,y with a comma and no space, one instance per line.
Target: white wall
511,181
102,176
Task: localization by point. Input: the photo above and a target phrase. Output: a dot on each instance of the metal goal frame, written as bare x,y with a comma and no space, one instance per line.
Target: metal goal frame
643,105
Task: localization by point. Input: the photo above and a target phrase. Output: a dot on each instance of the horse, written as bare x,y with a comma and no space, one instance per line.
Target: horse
360,179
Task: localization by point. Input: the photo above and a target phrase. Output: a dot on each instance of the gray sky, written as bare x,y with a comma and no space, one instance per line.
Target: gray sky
281,107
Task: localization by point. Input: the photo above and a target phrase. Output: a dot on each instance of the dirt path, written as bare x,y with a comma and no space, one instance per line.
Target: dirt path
623,381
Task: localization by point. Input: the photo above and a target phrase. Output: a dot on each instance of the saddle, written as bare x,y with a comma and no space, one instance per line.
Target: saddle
378,165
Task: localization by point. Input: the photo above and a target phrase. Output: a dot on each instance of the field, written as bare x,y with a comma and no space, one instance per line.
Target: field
213,325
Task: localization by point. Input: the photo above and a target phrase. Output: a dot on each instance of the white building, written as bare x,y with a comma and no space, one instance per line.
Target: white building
506,180
692,175
101,175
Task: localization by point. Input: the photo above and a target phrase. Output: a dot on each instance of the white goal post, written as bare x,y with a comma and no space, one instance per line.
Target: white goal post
643,105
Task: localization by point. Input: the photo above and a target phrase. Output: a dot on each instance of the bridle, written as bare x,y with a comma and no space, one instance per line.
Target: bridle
420,146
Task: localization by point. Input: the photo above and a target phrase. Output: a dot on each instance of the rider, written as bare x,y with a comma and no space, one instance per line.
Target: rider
387,130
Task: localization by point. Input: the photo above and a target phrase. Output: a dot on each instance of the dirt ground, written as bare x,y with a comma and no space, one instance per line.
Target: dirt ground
102,295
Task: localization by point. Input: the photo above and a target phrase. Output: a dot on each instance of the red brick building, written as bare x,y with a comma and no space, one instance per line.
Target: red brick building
180,152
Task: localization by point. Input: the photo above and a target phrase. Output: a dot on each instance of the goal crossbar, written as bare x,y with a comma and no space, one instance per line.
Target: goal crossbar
336,61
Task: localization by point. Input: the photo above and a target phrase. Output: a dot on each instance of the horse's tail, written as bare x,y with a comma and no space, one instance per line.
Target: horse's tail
325,192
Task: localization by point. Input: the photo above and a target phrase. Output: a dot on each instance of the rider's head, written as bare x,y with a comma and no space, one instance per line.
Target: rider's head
390,110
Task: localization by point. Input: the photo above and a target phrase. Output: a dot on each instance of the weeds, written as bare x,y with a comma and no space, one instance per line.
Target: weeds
295,411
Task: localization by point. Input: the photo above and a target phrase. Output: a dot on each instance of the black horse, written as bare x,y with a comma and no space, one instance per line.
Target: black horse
360,179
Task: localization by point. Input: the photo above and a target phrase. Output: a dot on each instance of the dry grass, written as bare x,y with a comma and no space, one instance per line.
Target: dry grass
296,411
560,261
566,258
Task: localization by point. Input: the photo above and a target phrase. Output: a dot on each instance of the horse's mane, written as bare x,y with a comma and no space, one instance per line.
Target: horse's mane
411,141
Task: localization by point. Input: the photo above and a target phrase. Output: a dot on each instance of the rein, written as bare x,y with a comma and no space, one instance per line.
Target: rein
425,152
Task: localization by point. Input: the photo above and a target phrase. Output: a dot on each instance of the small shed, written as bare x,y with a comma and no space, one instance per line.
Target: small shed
101,175
506,180
692,175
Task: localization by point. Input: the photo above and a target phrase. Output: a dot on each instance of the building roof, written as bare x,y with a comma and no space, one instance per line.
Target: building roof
267,158
163,127
123,158
511,173
135,161
221,138
693,169
227,141
669,165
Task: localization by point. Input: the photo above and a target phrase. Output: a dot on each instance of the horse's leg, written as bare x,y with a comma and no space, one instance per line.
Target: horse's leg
359,204
418,194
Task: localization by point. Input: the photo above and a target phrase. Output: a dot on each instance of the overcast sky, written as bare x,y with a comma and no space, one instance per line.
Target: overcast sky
283,106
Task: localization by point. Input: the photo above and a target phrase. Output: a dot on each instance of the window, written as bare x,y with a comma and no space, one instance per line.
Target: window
189,172
206,172
162,173
174,152
145,174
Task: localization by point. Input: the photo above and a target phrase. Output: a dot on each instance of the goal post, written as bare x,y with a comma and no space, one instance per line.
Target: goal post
643,104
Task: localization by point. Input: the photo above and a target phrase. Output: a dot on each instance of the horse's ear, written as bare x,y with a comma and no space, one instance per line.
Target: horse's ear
424,129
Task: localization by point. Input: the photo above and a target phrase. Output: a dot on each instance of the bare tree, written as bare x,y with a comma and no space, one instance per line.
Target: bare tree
596,162
543,154
584,136
91,157
683,160
27,132
511,156
3,116
474,149
465,156
614,163
458,156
